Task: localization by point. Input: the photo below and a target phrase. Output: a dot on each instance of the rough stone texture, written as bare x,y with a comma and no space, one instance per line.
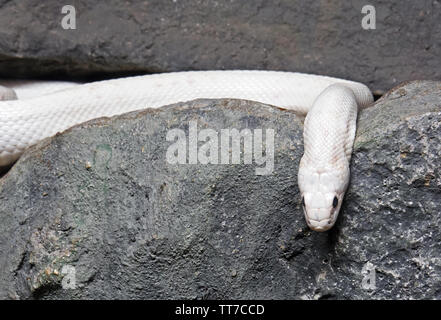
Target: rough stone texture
102,198
323,37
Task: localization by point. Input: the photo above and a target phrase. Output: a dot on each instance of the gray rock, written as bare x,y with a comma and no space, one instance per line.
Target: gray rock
157,36
98,212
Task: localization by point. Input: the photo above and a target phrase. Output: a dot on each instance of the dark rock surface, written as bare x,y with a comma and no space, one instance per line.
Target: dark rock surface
98,212
323,37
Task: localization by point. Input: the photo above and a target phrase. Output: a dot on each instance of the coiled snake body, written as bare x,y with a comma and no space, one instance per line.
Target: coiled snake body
330,105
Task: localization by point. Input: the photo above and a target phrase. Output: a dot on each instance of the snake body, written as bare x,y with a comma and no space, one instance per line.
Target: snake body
330,104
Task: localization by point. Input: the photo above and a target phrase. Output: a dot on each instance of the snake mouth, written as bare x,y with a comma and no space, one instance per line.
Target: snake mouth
321,215
319,225
319,220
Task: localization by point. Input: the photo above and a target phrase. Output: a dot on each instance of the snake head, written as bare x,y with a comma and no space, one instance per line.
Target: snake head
322,193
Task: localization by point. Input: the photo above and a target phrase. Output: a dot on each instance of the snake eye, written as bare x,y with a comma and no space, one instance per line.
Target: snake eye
335,202
303,201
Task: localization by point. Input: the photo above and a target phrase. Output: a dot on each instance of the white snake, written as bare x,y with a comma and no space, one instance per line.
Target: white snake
331,105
